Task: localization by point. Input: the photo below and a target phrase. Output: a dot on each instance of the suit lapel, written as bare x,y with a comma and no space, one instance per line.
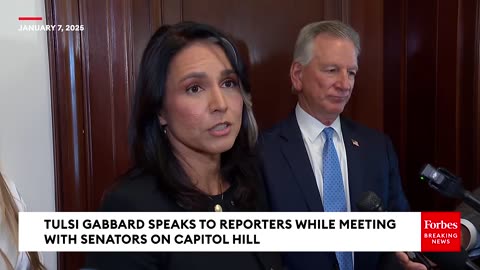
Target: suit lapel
353,148
294,152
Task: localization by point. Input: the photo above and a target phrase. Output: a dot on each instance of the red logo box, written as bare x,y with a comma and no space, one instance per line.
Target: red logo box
441,231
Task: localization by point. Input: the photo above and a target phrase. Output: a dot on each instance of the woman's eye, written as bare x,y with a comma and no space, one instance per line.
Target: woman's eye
229,84
193,89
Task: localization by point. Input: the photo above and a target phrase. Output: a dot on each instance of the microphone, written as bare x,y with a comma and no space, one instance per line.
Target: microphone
449,185
469,234
370,202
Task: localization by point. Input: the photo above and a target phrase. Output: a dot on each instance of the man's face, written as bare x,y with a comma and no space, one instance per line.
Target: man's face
325,84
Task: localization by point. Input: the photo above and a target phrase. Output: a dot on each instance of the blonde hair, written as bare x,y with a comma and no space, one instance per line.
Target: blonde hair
10,212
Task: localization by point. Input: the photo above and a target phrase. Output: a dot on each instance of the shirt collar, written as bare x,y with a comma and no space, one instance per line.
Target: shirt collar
311,127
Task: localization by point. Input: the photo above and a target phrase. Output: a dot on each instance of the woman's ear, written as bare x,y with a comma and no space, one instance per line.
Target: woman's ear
296,72
161,119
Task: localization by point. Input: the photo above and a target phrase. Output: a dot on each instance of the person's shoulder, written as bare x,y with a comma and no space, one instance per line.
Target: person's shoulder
135,191
275,132
134,181
276,128
270,138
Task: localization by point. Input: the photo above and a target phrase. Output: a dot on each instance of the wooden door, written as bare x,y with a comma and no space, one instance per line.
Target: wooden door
418,81
93,75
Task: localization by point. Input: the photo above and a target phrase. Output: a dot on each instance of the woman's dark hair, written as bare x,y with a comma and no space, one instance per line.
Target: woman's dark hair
151,149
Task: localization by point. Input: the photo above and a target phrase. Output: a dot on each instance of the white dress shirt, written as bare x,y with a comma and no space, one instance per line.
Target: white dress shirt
314,140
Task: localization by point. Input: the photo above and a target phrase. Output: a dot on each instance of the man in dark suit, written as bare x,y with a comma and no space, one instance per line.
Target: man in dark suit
317,160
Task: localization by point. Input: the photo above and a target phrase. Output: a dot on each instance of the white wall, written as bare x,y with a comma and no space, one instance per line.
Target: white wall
26,147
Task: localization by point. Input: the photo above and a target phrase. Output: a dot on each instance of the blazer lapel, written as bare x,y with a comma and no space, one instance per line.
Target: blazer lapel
294,152
353,148
354,163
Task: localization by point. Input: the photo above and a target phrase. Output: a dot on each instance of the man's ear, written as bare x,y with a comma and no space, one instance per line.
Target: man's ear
296,72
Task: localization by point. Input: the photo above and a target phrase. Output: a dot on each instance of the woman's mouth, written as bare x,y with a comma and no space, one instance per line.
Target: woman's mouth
220,129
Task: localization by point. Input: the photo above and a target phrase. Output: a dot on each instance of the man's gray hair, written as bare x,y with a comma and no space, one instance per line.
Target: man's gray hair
303,47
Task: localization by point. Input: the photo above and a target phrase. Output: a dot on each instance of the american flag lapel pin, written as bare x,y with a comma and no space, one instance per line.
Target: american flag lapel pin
354,142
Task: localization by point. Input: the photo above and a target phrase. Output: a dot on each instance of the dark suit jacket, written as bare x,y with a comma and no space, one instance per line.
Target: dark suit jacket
140,193
291,185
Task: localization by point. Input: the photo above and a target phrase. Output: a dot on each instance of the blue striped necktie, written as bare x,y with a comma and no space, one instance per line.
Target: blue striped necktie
333,191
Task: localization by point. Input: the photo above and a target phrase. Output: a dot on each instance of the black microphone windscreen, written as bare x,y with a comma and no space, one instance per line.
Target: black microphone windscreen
370,202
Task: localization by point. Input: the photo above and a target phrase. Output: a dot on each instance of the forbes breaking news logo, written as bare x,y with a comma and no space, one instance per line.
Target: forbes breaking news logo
441,231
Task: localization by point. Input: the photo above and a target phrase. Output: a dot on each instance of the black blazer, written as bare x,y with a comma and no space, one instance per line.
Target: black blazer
291,186
139,193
